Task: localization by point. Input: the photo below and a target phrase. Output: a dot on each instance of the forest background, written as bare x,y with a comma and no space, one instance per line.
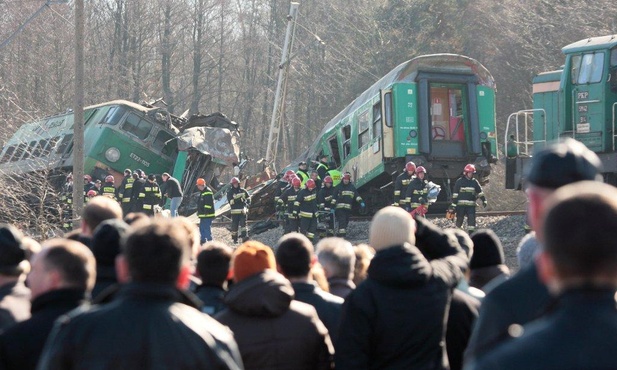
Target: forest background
222,55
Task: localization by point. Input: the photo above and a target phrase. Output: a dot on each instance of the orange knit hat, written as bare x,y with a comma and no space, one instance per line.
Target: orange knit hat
251,258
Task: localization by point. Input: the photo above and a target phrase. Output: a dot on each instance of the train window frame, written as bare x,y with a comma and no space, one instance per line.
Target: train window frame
135,128
587,68
387,103
346,135
114,115
66,141
19,152
376,120
334,149
162,147
30,149
8,154
363,128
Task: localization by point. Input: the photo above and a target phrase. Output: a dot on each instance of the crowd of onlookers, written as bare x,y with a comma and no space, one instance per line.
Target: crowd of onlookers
136,292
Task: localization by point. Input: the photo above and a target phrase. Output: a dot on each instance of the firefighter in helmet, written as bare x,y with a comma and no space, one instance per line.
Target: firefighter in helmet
283,184
286,202
345,194
324,199
416,194
466,191
205,210
401,183
66,199
238,199
109,190
305,207
150,195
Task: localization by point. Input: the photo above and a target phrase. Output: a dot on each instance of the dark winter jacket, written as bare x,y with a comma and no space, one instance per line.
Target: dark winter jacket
400,187
21,345
396,318
345,195
212,297
14,304
172,188
580,334
205,204
145,326
287,200
328,305
466,191
305,204
462,314
274,331
238,200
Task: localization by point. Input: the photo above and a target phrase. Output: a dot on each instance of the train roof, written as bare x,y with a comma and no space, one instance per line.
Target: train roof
592,43
407,72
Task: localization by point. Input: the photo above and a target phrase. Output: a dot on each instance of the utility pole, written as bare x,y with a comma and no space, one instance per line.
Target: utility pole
278,112
78,110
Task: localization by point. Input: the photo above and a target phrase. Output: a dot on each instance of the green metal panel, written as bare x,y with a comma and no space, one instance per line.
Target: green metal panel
378,170
486,113
405,109
180,165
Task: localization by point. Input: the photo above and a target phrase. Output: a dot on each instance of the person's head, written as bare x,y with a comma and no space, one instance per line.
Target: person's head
527,250
464,241
487,249
421,172
136,219
152,178
62,264
346,178
214,263
294,255
13,253
97,210
557,165
337,257
156,253
302,166
469,170
201,184
296,182
390,227
410,168
364,255
328,181
324,159
192,231
250,259
109,179
135,176
578,234
235,182
128,172
91,194
98,184
106,241
314,175
165,176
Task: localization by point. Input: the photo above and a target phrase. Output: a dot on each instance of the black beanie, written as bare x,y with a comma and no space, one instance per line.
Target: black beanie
106,241
487,249
12,251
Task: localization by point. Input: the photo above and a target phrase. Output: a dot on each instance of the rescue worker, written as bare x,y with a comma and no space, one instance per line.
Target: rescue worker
322,167
466,191
125,190
66,199
283,183
108,189
401,183
91,194
302,172
305,206
238,199
138,185
88,185
205,210
335,174
324,200
344,196
150,195
317,179
98,186
416,194
286,202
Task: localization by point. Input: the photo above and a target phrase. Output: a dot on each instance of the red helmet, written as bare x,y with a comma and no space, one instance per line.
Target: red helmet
235,180
420,169
470,168
91,193
296,182
410,166
109,178
347,176
310,184
327,180
288,175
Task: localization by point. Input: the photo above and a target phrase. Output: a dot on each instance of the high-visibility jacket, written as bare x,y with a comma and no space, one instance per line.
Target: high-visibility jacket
305,204
466,191
345,195
150,195
322,169
205,204
336,175
287,200
109,190
400,187
238,199
324,197
416,193
126,189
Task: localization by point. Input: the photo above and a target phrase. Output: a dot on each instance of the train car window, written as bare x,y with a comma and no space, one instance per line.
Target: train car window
163,143
66,140
7,155
29,150
613,70
387,103
336,155
114,115
575,68
592,66
363,124
346,140
39,148
19,152
137,126
377,120
51,145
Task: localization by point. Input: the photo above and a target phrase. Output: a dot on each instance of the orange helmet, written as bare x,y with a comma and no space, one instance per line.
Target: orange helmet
109,178
420,169
327,180
410,166
235,180
295,182
347,176
201,182
91,193
470,168
310,184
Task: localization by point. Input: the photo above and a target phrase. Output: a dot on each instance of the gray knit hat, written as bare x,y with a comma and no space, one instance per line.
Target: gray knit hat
391,226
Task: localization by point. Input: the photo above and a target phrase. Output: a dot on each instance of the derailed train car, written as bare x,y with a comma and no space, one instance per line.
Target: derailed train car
121,134
435,110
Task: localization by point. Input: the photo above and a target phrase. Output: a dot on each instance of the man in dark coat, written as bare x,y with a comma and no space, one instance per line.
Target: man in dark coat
579,265
273,331
213,268
295,258
106,247
14,295
62,274
395,319
150,323
523,297
172,190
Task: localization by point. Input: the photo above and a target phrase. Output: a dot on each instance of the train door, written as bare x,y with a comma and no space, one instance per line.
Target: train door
386,129
448,120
